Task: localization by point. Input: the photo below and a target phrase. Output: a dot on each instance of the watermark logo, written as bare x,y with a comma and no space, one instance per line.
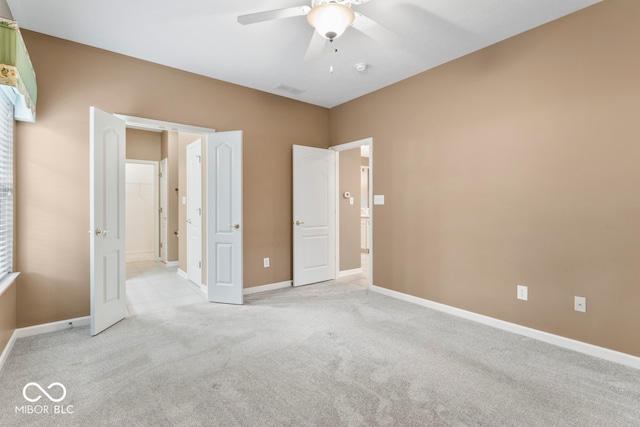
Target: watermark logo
36,385
55,392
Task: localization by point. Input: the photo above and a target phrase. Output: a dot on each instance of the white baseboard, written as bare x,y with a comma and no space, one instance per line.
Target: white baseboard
183,274
349,272
264,288
52,327
568,343
140,256
172,263
7,349
203,289
254,289
41,329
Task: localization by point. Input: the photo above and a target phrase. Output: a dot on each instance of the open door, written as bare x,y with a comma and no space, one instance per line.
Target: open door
224,216
314,229
107,220
194,212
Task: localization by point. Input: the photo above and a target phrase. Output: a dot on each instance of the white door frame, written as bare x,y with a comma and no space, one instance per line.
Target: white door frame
163,190
345,147
156,202
159,126
195,273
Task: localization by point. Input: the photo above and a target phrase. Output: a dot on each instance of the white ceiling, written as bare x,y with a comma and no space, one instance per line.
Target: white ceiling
204,37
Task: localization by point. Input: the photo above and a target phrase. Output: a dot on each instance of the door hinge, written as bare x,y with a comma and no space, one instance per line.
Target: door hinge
199,264
160,210
161,245
160,174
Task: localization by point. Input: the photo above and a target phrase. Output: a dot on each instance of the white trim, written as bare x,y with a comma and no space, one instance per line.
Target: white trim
172,264
202,288
141,256
351,145
269,287
568,343
345,147
349,272
163,190
7,281
52,327
160,125
7,349
184,275
198,145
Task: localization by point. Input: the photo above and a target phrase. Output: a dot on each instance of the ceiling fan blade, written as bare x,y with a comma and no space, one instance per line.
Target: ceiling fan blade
269,15
376,31
316,46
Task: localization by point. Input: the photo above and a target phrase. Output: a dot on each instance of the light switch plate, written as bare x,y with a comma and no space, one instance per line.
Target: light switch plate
378,199
580,304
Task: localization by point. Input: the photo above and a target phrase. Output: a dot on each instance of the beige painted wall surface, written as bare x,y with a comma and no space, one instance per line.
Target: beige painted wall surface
7,315
5,12
143,145
52,167
349,214
517,164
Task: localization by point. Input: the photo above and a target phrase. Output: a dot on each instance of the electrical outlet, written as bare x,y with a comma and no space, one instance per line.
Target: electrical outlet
266,262
523,293
580,304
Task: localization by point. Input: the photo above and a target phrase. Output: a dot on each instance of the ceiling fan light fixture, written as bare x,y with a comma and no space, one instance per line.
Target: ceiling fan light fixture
331,19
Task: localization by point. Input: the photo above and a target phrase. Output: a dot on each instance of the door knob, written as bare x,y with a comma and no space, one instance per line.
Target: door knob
189,221
236,226
101,232
299,222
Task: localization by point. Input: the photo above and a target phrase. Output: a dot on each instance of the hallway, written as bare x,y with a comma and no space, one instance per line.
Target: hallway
153,286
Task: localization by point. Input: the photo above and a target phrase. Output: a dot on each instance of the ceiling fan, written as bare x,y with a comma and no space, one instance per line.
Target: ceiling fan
330,18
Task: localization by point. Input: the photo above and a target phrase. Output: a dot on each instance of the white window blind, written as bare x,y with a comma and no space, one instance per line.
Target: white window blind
6,187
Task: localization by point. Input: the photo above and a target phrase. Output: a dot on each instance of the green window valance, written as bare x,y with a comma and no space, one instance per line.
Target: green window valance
17,78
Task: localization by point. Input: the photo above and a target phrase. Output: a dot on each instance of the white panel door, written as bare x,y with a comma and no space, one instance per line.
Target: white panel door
163,210
224,217
314,230
107,220
194,212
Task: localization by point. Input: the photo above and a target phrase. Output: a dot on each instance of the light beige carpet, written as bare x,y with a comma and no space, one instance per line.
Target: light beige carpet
322,355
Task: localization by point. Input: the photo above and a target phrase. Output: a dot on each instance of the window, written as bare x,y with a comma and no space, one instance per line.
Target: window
6,187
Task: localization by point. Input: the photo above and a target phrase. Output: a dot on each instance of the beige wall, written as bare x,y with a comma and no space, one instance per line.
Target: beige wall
143,145
349,214
517,164
5,12
7,315
52,167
